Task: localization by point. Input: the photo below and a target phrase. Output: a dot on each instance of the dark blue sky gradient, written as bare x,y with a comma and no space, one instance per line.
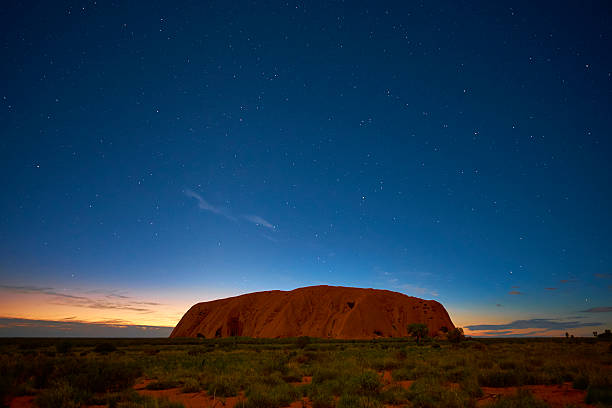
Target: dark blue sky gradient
448,150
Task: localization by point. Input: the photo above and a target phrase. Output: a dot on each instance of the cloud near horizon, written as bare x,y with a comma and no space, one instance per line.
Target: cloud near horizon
71,327
544,324
602,309
102,302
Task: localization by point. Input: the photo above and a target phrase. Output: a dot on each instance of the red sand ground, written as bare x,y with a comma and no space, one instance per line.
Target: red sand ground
316,311
557,396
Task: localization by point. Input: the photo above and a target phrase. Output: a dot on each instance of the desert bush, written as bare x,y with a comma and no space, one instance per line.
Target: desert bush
430,393
263,396
470,386
321,397
456,374
64,346
581,382
522,399
496,378
455,335
276,362
223,386
349,401
368,384
149,402
600,391
403,373
105,348
302,341
162,385
93,375
191,385
60,395
394,395
507,365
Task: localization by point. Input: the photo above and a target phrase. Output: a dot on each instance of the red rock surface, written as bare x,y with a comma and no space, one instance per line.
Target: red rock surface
315,311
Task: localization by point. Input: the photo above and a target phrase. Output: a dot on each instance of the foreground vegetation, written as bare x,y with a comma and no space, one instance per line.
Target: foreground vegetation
270,373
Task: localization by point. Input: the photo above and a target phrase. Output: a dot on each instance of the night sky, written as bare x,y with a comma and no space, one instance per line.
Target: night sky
157,154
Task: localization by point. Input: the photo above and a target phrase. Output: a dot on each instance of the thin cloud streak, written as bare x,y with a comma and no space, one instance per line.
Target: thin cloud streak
259,221
546,324
206,206
603,309
72,327
59,298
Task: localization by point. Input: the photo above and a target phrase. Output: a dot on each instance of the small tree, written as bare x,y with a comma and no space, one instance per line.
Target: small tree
418,330
303,341
594,334
456,335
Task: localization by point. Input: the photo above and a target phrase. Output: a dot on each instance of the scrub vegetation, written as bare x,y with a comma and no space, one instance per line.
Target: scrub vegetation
268,373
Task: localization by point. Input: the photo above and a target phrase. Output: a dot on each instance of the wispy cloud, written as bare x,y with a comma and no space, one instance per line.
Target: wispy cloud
259,221
546,324
603,275
222,211
550,288
103,301
602,309
515,292
206,206
71,327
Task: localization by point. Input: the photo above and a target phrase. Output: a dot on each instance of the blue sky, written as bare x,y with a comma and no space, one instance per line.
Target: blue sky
448,150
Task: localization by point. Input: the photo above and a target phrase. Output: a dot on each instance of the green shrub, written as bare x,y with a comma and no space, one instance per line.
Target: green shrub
349,401
600,391
470,386
105,348
507,365
191,385
368,384
263,396
149,402
63,346
322,398
456,374
60,395
223,386
494,378
522,399
394,395
163,385
303,341
581,382
275,363
456,335
403,374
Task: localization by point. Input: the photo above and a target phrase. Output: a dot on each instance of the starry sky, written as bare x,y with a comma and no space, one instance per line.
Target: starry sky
157,154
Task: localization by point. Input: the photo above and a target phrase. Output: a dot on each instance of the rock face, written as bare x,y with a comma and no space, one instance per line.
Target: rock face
315,311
